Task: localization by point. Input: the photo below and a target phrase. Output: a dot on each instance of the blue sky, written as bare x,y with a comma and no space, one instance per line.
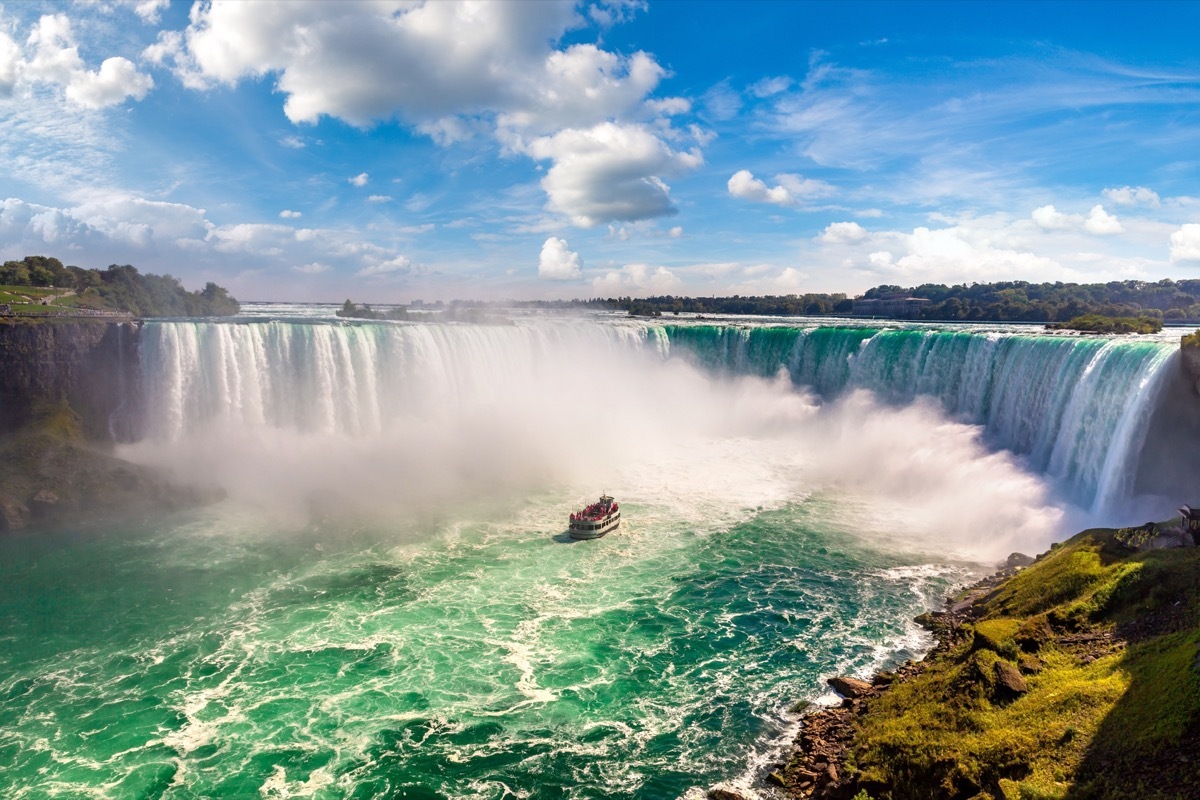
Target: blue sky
389,151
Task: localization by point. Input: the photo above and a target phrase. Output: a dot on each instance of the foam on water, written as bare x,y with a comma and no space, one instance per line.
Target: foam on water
386,605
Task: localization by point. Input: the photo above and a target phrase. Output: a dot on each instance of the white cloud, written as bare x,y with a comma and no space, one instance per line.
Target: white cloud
313,269
1098,221
768,87
637,279
56,61
287,213
788,191
1101,222
379,198
610,173
1133,196
443,60
557,262
1185,244
400,264
743,184
1051,219
675,232
10,64
150,10
360,179
843,233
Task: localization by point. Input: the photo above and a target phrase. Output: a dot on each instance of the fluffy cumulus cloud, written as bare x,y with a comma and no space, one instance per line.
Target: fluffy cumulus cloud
843,233
610,172
557,262
788,191
442,59
359,180
287,213
1101,222
456,69
637,279
1133,196
1185,244
51,57
1098,221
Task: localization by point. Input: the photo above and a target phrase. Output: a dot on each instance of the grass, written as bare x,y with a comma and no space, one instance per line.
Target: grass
1096,720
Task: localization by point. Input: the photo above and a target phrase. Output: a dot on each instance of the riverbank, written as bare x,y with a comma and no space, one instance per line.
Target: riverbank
1075,677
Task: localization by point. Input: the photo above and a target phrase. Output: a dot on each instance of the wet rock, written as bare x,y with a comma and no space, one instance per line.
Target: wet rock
850,688
718,793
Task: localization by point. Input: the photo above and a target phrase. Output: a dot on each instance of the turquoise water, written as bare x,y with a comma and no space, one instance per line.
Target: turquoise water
495,658
385,604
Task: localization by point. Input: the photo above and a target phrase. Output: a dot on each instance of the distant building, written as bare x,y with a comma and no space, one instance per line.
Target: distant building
894,306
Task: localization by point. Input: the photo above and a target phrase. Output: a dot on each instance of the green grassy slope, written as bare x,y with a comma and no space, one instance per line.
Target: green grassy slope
1106,642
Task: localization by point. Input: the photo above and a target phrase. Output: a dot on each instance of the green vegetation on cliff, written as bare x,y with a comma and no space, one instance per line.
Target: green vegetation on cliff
1098,323
1077,678
42,283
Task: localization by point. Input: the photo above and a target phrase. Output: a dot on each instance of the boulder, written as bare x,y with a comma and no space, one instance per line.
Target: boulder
1017,560
850,687
14,515
1009,679
717,793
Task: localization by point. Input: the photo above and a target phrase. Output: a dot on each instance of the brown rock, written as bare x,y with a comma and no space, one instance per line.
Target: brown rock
14,515
45,497
717,793
849,687
1008,678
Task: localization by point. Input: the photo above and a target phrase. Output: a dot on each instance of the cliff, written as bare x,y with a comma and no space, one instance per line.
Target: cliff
1189,351
92,365
68,391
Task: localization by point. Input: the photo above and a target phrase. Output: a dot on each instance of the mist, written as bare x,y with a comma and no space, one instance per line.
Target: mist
393,425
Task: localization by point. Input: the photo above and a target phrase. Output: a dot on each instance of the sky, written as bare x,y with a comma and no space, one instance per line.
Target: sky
394,150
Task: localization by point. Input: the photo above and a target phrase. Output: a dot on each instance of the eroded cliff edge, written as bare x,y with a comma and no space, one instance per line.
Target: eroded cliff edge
69,391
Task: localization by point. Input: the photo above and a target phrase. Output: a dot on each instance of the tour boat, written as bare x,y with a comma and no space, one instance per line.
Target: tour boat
596,520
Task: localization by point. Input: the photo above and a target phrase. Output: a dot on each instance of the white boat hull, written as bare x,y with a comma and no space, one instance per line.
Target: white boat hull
594,529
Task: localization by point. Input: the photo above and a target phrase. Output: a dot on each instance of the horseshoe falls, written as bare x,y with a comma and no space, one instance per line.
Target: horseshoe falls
385,605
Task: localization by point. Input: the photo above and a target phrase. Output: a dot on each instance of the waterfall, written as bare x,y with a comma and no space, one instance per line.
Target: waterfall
1076,409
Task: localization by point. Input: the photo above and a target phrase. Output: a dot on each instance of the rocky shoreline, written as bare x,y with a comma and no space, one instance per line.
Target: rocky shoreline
815,766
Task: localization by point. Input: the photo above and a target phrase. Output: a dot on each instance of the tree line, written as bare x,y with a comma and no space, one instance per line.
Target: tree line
1005,301
121,288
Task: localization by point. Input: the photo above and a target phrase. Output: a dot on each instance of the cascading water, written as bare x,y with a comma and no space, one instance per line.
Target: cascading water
387,605
1076,407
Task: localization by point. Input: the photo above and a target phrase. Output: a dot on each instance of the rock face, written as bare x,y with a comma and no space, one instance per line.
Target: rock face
68,391
1190,362
94,366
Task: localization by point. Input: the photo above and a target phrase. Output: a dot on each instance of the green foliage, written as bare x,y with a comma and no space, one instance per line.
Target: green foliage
1085,725
118,288
1191,340
997,635
1097,323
